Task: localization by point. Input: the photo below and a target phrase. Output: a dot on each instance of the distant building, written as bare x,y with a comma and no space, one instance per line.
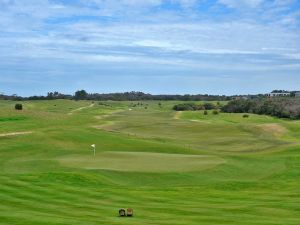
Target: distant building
297,94
279,94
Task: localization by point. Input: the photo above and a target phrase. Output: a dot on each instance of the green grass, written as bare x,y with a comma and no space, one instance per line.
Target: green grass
171,168
142,162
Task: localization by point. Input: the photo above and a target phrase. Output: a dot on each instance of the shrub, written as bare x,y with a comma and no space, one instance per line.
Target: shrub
18,106
187,107
205,112
215,112
245,116
209,106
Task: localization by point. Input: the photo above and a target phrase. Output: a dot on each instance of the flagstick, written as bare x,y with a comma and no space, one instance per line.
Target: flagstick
94,147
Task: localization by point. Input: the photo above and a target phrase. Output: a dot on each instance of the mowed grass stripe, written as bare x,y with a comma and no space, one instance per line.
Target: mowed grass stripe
71,209
157,206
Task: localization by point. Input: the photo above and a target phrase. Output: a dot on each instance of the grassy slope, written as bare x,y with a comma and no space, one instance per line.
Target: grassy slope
259,182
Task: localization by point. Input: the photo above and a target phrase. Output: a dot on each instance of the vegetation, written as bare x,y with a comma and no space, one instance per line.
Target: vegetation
136,96
280,91
208,106
126,96
279,107
81,95
215,112
187,107
18,106
193,106
170,167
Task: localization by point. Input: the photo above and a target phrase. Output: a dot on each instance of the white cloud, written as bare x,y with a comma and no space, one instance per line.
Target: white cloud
241,3
201,45
186,3
192,43
283,2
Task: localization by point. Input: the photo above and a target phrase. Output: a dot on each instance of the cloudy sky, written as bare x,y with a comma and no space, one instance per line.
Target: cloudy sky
155,46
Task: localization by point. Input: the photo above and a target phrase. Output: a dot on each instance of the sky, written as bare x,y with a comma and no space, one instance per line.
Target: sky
155,46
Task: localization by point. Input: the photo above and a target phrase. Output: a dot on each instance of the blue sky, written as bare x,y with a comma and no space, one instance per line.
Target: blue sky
156,46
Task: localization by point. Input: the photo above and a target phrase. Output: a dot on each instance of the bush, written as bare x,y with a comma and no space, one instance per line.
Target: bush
209,106
245,116
18,106
215,112
205,112
187,107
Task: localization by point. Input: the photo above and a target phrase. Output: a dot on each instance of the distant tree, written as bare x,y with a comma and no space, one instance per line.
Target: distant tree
50,95
81,95
280,91
18,106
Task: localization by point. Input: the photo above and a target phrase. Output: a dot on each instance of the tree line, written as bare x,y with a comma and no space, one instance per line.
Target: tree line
279,107
125,96
194,107
140,96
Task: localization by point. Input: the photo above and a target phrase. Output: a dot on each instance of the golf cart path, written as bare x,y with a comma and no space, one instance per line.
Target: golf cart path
15,133
81,108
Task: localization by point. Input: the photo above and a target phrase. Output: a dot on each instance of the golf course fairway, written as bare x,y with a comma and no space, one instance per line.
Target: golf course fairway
171,168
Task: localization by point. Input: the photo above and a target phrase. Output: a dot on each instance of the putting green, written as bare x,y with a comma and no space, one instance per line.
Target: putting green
142,162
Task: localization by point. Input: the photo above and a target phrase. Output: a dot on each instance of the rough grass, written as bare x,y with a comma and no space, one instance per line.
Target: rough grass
196,169
274,129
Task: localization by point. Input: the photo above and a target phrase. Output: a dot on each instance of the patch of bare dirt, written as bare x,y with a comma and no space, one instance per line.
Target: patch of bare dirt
15,134
81,108
273,129
177,115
